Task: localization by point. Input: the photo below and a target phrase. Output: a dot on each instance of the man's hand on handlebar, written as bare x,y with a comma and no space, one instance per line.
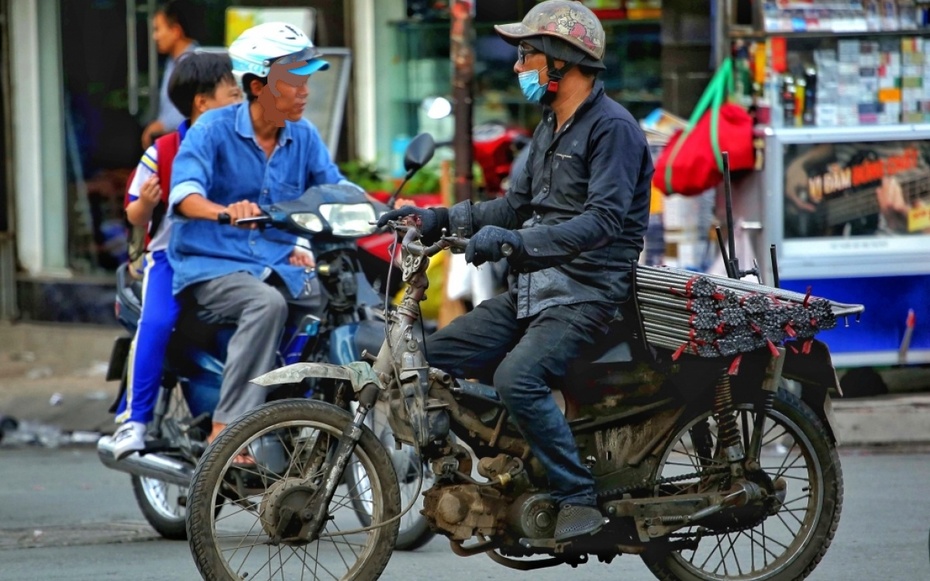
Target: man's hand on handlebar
493,243
236,211
432,221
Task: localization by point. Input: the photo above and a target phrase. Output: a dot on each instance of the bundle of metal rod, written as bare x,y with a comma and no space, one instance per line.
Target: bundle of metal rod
663,276
714,316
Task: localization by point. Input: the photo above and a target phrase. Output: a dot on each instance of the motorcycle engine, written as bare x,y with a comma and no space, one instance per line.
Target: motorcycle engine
507,507
462,511
533,516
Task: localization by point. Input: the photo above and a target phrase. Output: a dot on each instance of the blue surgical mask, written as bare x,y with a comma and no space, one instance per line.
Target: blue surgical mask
529,84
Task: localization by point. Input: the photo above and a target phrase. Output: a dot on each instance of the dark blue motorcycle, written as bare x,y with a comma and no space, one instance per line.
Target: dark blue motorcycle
338,329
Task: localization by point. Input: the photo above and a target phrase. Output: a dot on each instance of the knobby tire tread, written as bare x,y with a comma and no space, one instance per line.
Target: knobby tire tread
825,448
211,565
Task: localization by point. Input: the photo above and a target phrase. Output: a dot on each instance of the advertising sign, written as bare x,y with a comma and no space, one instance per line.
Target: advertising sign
857,196
851,221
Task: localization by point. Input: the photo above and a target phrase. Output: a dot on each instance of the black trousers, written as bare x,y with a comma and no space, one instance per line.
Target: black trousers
520,358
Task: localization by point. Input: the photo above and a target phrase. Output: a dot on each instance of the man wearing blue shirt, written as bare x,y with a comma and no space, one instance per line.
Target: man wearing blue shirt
259,152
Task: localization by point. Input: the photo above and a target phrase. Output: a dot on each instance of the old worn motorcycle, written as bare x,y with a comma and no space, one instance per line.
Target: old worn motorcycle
704,417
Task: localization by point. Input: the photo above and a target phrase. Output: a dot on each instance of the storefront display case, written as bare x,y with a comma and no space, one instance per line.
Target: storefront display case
422,47
842,94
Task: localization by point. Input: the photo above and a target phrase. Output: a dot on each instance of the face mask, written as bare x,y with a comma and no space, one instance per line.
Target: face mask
529,84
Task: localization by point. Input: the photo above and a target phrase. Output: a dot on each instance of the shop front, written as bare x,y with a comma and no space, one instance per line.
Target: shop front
844,94
86,82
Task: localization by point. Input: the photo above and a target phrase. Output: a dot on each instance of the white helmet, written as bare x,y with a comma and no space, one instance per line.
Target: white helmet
259,47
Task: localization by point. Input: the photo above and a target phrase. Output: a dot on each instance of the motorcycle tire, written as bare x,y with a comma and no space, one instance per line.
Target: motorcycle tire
257,495
414,531
152,496
811,478
161,503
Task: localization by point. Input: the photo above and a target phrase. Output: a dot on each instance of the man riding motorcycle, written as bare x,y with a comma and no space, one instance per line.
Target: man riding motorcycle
571,226
259,152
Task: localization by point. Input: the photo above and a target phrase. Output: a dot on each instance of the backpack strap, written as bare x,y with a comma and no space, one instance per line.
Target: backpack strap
167,146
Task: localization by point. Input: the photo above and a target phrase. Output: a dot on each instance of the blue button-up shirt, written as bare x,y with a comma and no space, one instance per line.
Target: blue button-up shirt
221,160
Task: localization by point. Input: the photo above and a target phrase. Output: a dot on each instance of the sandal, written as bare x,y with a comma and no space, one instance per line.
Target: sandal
244,460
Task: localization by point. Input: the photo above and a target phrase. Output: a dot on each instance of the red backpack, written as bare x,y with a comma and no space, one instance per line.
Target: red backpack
140,236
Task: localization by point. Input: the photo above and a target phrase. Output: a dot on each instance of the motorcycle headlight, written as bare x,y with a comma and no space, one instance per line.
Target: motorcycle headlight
307,221
349,219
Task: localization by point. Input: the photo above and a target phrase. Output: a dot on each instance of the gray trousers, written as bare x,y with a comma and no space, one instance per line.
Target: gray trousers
259,311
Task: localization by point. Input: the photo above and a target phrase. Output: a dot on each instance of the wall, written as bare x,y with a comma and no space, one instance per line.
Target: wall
687,39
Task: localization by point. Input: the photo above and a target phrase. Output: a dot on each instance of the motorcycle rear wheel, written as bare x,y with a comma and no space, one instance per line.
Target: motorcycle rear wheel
162,503
786,545
240,545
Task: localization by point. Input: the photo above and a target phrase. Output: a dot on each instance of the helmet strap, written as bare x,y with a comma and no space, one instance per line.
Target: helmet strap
555,77
555,74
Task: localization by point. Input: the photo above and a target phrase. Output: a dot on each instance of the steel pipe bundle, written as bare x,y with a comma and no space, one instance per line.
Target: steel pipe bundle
713,316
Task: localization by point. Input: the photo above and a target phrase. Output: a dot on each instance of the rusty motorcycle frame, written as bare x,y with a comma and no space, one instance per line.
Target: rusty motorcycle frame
702,473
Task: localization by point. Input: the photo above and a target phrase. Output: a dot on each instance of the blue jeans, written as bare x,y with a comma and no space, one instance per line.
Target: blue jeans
521,358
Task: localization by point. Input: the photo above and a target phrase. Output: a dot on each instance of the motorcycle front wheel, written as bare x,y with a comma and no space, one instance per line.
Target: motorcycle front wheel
257,536
788,540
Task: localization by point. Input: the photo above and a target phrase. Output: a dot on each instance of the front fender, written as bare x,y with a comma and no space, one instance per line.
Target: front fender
358,373
815,372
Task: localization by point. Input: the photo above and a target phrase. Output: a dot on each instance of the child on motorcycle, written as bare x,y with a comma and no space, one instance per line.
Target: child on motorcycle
200,81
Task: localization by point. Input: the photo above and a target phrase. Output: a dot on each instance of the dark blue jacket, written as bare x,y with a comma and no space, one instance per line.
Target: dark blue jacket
581,205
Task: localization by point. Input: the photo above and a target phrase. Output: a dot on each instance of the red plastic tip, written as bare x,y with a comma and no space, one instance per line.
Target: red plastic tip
734,366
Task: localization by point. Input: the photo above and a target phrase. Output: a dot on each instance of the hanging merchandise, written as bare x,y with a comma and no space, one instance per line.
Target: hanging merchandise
692,162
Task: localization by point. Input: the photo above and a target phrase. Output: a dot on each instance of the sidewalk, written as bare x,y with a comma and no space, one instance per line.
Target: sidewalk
52,381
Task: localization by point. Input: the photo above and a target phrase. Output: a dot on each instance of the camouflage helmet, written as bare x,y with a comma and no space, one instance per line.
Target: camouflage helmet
568,20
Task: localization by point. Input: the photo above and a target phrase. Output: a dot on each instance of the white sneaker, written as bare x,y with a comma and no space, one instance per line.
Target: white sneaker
129,438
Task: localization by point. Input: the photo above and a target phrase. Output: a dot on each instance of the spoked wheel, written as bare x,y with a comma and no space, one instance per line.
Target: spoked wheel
259,534
780,539
414,530
162,503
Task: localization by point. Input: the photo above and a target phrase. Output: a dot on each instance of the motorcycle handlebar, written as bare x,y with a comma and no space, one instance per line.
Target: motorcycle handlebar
412,235
412,244
225,219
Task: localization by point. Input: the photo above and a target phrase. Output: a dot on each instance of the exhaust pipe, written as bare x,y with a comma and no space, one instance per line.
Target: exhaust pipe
153,465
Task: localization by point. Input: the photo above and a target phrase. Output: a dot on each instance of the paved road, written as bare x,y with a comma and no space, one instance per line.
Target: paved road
65,517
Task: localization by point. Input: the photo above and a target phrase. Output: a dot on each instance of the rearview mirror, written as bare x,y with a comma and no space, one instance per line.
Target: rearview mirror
419,152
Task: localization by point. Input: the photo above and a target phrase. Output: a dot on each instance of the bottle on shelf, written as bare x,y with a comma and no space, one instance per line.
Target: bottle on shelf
809,118
788,100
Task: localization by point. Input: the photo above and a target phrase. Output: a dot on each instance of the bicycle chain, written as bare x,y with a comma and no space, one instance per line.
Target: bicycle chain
650,484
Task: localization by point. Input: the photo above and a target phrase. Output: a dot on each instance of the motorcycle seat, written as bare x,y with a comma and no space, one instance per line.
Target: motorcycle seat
617,346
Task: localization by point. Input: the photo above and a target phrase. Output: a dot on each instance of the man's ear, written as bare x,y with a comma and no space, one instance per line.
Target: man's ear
256,87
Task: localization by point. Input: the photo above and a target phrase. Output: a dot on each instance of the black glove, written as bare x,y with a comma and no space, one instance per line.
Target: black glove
486,245
432,220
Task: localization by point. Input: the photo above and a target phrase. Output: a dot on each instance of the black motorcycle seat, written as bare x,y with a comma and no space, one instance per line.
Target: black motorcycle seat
616,346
